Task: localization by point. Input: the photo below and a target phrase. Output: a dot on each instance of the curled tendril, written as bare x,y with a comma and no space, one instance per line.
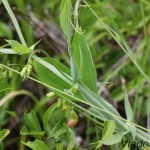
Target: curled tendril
85,6
76,29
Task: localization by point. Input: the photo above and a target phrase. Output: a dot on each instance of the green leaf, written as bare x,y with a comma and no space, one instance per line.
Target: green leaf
14,20
33,122
115,138
58,129
128,108
33,46
129,114
65,23
71,138
94,99
11,113
48,114
62,68
36,145
84,62
53,76
65,19
132,129
62,4
3,134
109,128
24,131
19,48
7,51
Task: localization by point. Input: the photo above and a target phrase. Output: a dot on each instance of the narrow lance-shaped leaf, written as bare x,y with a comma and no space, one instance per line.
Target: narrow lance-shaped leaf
3,134
33,46
14,20
53,76
128,108
19,48
33,123
65,23
25,131
94,99
65,19
72,139
7,51
129,114
109,128
48,114
58,129
83,59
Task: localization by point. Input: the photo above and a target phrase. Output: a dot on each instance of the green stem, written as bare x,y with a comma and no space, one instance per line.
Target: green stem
16,93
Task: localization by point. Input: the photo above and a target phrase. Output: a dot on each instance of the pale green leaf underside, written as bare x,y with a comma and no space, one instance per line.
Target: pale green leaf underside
7,51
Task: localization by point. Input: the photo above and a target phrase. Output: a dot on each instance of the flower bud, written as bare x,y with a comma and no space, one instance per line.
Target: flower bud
73,119
71,123
26,71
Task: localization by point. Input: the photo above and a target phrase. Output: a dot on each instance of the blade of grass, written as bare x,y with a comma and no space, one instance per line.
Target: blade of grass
14,20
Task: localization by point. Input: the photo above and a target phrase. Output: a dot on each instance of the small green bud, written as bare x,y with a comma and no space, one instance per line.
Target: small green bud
30,61
74,88
26,71
51,94
65,105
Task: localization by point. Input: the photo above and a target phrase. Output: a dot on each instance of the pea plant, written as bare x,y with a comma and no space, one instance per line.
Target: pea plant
73,87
